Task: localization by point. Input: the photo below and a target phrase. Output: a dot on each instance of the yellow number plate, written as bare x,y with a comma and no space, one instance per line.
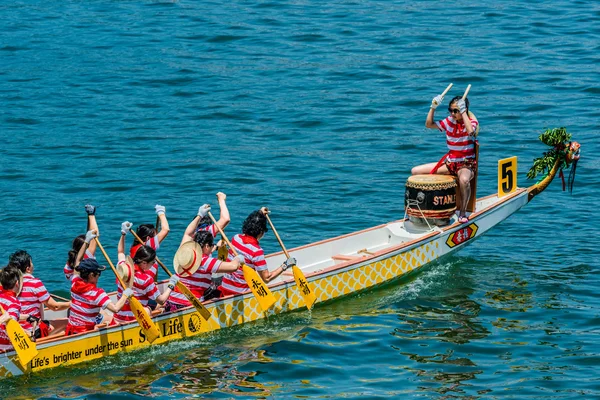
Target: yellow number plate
507,176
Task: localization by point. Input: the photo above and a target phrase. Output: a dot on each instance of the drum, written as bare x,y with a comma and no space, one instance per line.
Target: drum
430,198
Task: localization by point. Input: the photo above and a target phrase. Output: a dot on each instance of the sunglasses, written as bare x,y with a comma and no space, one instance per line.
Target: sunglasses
97,273
453,110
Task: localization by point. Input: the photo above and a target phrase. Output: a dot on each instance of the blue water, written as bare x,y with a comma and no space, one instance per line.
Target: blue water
317,110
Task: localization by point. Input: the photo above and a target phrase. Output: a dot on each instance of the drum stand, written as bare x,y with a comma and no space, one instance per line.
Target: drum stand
414,202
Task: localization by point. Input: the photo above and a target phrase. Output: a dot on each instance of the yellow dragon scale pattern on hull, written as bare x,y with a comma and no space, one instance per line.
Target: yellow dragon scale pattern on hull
229,313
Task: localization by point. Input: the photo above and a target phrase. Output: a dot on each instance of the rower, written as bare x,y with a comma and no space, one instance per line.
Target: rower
87,299
11,281
33,296
202,222
150,237
195,266
246,244
135,273
460,161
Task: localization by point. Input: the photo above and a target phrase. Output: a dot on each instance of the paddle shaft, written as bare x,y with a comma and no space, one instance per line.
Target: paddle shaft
214,221
110,263
466,92
277,235
447,89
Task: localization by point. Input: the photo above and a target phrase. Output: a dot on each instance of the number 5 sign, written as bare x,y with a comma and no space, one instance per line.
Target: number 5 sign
507,176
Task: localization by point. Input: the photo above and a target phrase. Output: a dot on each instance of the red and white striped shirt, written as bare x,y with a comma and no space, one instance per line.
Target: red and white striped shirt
209,228
254,257
461,145
86,302
155,244
32,296
11,305
68,270
198,282
144,289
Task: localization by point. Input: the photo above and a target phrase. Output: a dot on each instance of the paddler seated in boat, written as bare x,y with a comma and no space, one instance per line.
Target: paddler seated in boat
11,281
195,266
460,137
135,274
246,244
88,301
78,242
149,236
34,296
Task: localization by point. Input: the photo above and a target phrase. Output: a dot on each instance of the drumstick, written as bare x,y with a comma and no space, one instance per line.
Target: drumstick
446,91
466,92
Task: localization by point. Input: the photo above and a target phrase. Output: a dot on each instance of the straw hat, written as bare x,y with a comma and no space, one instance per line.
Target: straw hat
126,270
188,258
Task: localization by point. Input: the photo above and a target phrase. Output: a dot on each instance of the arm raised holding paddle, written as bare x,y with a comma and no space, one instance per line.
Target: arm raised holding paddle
147,234
203,223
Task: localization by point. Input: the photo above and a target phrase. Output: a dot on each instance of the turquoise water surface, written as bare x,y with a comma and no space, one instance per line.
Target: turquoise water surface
317,110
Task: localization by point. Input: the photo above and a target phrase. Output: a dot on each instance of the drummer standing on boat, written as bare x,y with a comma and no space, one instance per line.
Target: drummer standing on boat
460,160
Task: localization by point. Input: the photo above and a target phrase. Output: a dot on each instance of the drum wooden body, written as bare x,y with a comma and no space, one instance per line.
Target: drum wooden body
430,198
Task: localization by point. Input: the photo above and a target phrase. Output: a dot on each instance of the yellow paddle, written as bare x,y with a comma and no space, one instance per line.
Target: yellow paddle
23,345
260,290
184,289
137,308
303,287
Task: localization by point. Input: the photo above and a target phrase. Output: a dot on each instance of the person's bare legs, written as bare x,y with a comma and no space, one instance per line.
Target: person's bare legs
425,169
464,183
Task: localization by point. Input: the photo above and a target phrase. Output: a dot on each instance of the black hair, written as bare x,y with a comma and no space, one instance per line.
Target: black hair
203,238
205,221
20,259
9,277
85,274
144,253
456,98
255,224
75,247
145,232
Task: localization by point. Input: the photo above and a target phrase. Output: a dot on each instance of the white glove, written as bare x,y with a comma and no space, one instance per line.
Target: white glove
125,227
203,211
437,100
173,280
90,209
288,263
160,209
461,106
90,235
128,292
240,258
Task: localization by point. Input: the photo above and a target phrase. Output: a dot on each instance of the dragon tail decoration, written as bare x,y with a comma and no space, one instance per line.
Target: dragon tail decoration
563,154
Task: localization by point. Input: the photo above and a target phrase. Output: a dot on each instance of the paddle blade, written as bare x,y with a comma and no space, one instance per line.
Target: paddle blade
259,288
305,290
150,330
194,300
24,347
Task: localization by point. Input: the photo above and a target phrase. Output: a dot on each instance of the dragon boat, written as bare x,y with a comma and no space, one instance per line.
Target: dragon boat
333,268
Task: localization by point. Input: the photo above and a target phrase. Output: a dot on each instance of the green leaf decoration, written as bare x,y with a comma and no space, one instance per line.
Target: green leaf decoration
557,139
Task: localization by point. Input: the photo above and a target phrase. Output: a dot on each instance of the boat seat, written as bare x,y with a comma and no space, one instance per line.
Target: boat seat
343,257
366,252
